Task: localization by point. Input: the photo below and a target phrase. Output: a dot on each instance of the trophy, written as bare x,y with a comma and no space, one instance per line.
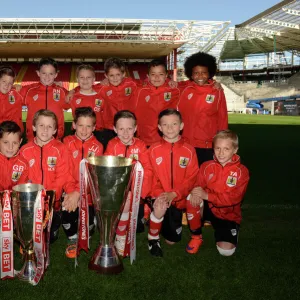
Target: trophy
109,178
30,221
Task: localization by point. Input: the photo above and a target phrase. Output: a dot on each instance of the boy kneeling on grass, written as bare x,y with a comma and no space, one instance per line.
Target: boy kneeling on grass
175,168
218,194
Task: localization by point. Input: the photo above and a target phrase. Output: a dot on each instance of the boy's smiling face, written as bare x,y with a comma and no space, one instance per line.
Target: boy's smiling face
224,150
170,126
47,74
115,76
157,75
44,128
6,83
125,129
84,127
9,144
86,79
200,75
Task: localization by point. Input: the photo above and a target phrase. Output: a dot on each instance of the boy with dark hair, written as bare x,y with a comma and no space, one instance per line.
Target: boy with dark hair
10,99
218,194
81,145
175,167
203,107
126,145
45,95
153,98
14,168
48,160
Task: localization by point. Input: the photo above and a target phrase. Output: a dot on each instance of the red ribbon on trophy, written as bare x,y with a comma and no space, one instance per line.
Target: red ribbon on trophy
6,239
83,223
38,236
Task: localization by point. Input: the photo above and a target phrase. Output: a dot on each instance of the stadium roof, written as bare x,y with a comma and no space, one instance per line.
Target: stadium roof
102,38
276,29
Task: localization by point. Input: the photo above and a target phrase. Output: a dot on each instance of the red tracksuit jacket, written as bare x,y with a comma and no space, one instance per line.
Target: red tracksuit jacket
11,107
150,101
14,171
204,113
39,96
79,149
137,150
175,169
117,98
49,165
225,186
92,100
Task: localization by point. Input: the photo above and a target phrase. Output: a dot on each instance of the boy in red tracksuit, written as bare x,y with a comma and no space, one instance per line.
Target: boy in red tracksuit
126,145
175,167
14,168
10,99
81,145
153,98
202,106
86,95
48,160
45,95
218,195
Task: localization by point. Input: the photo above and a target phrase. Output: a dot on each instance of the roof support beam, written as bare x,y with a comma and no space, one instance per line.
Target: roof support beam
281,23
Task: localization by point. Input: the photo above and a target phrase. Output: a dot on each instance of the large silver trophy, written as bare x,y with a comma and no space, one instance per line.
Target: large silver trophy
24,197
109,178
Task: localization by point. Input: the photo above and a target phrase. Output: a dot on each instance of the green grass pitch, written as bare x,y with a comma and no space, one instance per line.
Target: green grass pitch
265,265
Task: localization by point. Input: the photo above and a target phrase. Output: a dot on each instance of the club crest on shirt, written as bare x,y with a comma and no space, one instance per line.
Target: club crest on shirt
167,96
210,98
128,91
75,153
159,160
56,94
91,154
231,181
35,97
108,93
16,176
190,96
78,101
147,98
31,162
134,156
183,161
51,161
11,99
98,102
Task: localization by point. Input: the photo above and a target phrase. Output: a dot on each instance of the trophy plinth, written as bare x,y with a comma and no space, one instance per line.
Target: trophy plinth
109,177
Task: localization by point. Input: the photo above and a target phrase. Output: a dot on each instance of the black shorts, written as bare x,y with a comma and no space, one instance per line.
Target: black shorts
172,224
225,230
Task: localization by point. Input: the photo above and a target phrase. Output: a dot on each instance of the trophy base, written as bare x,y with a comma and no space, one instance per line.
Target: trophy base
106,261
28,270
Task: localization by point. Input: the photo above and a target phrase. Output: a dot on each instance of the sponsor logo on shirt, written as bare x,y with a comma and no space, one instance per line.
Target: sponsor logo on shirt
11,99
190,96
167,96
98,102
128,91
35,97
183,161
78,101
159,160
147,98
51,161
210,98
56,95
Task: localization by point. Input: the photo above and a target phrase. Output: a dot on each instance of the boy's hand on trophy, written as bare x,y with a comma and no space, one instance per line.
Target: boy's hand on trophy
71,200
199,192
196,200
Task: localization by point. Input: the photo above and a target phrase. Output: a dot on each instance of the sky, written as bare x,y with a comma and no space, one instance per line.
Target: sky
211,10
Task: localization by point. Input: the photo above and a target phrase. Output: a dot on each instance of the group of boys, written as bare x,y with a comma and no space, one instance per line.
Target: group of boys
107,117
